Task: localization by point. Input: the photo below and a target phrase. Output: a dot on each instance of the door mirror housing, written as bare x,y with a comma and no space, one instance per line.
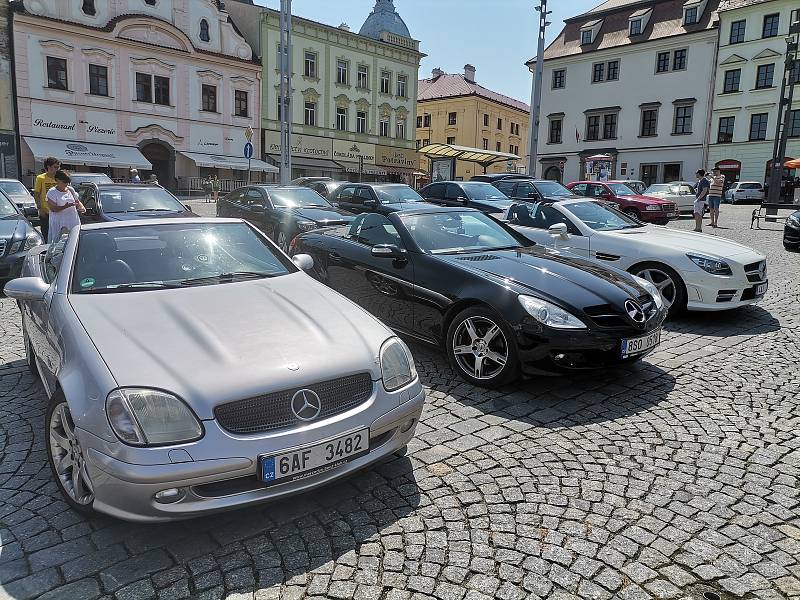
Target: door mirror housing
559,230
607,195
370,204
304,262
27,288
91,211
387,251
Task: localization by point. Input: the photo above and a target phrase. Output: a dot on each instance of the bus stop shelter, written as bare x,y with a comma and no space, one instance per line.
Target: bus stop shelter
439,154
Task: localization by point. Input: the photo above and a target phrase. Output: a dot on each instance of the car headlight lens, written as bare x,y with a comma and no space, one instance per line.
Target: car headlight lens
549,314
33,239
794,220
397,365
715,266
652,290
653,207
306,225
145,417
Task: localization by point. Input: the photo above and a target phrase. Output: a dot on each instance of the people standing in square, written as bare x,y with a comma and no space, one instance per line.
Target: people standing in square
715,191
42,185
64,206
700,194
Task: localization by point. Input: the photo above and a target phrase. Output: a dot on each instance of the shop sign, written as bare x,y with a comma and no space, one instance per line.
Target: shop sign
302,145
53,122
729,165
353,151
403,158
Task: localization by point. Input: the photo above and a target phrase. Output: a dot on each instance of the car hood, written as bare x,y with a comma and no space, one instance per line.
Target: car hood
11,226
23,198
135,216
645,199
559,278
218,343
322,216
689,241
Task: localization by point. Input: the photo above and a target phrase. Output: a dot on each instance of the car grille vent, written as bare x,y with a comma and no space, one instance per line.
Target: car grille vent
753,271
604,256
2,247
605,315
273,411
479,258
726,295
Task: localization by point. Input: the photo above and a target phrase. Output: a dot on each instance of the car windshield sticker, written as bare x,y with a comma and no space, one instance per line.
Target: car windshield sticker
87,282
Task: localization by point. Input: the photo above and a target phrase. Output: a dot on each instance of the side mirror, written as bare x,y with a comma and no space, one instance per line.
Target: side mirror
370,203
387,251
606,195
303,261
533,195
27,288
91,210
559,230
462,199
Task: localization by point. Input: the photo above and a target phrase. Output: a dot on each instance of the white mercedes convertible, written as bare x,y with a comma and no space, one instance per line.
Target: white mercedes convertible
693,271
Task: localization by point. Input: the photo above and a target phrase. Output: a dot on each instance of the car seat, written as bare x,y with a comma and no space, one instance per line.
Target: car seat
99,260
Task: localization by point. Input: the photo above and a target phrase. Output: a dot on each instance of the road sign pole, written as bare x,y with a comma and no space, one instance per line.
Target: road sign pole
248,171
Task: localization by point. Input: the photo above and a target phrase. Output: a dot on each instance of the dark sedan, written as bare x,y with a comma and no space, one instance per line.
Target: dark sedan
497,303
381,198
282,212
128,201
17,236
791,232
532,190
467,194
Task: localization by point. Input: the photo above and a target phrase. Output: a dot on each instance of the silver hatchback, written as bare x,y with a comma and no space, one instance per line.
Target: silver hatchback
193,367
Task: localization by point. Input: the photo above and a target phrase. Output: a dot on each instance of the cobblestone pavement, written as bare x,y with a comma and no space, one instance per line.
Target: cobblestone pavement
666,480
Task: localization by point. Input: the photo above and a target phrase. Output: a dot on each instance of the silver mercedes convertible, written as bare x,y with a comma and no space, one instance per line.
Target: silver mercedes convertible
192,367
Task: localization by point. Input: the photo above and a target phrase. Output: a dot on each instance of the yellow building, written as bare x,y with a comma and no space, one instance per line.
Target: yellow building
453,109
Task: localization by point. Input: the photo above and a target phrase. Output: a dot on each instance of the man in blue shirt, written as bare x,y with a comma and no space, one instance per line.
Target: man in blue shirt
701,193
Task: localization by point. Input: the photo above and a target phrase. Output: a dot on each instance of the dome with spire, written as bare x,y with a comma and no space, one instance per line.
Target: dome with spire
384,17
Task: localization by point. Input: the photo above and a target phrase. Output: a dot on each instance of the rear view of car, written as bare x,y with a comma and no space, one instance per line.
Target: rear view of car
21,196
743,192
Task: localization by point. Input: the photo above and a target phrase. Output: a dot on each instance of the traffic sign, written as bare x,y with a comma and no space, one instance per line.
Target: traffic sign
248,133
248,150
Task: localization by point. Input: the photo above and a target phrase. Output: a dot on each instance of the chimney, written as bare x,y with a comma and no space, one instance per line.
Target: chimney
344,27
437,72
469,73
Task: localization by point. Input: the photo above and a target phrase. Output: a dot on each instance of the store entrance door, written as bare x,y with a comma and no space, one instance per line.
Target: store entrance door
162,157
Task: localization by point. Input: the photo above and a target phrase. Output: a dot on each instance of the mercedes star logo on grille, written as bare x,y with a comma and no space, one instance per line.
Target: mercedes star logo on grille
634,311
306,405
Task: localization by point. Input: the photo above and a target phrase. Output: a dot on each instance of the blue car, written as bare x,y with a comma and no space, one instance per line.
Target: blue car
128,201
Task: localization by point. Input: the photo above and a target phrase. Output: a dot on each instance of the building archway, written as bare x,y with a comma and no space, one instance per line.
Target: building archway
162,156
553,173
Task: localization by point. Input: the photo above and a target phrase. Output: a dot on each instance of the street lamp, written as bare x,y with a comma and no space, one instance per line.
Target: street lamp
536,89
285,91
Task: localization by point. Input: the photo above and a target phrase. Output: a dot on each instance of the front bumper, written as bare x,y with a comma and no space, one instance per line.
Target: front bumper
791,235
127,491
706,292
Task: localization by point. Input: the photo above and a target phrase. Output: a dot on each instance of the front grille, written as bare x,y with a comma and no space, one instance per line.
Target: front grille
273,411
754,273
2,247
668,207
606,316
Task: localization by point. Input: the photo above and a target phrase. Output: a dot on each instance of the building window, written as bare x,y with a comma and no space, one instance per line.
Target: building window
89,9
144,87
794,76
498,147
310,65
738,29
209,98
426,120
342,74
98,80
649,174
499,124
363,77
419,121
486,119
401,129
758,126
361,121
794,123
341,119
598,72
613,70
56,73
683,120
662,63
559,78
161,89
586,37
649,126
636,27
204,33
451,139
384,128
555,135
386,82
451,118
280,108
240,108
310,113
771,25
515,129
764,76
679,60
593,128
731,82
609,127
725,131
485,143
402,83
690,16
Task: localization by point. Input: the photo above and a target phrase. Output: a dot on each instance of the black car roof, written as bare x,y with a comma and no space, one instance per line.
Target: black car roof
431,209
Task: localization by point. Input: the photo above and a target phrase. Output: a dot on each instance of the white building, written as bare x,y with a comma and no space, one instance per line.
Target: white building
752,56
630,80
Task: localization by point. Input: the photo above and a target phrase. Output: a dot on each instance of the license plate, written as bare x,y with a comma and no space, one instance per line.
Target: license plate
672,214
634,346
311,460
761,288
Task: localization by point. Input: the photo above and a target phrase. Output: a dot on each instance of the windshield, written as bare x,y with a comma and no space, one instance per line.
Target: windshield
455,233
15,188
552,188
397,194
7,208
289,198
600,217
139,199
484,191
620,189
146,257
664,188
93,177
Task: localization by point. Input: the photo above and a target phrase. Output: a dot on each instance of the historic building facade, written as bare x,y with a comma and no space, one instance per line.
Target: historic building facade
8,136
354,94
167,86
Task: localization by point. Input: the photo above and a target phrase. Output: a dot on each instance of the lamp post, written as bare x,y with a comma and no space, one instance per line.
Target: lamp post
285,50
536,90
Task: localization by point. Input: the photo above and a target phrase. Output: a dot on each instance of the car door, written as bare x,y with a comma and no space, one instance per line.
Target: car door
509,188
230,205
534,219
455,196
254,205
366,198
346,199
527,191
434,193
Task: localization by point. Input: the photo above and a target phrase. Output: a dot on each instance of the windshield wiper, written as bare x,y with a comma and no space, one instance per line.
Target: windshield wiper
228,277
155,210
139,287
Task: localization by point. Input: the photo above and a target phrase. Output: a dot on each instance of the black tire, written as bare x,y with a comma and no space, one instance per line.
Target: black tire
56,402
504,345
679,301
632,212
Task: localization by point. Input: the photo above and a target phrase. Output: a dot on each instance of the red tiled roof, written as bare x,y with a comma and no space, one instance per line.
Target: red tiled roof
453,86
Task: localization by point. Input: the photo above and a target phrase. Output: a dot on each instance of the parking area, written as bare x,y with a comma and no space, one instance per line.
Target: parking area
676,477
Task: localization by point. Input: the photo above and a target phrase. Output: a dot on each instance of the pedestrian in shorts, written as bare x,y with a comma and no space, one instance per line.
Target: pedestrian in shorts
700,195
715,191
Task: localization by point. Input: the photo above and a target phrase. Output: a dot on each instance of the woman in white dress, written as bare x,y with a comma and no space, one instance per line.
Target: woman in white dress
64,206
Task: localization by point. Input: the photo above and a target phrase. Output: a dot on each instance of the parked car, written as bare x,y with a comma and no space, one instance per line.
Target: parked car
469,194
282,212
22,197
494,301
691,270
744,192
681,193
637,186
324,188
643,208
128,201
791,232
304,181
492,177
532,189
81,178
382,198
17,236
193,367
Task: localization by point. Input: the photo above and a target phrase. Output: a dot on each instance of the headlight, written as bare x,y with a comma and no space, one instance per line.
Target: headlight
549,314
145,417
306,225
715,266
794,220
652,290
653,207
33,239
397,365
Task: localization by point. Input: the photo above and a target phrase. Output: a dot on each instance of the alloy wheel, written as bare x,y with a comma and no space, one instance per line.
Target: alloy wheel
68,460
480,347
663,283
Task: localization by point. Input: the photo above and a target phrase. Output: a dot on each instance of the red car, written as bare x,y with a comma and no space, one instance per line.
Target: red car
644,208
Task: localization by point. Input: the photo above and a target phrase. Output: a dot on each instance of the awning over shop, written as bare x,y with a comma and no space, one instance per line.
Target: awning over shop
87,153
476,155
237,163
352,167
310,163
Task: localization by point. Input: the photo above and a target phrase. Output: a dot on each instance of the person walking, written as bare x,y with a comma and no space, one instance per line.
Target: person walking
135,176
64,205
715,190
41,186
215,186
207,188
700,194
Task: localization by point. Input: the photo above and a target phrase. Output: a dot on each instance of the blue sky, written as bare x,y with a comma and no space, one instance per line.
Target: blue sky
497,36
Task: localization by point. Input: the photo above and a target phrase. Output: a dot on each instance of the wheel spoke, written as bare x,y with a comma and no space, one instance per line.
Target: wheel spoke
60,440
87,483
64,464
496,357
664,285
469,326
462,350
491,333
478,366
